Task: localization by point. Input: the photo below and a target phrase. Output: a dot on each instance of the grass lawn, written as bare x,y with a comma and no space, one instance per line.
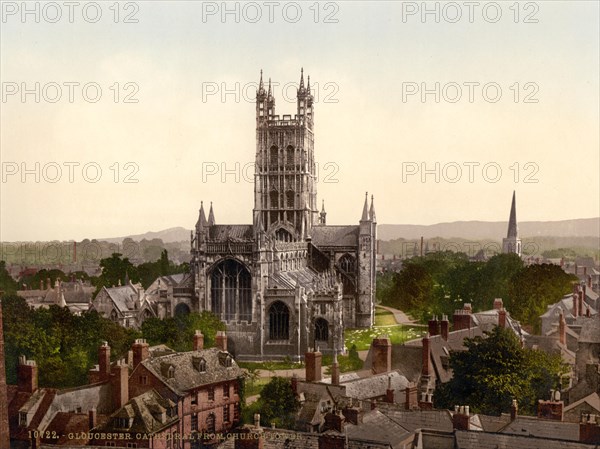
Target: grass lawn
270,366
256,387
384,317
362,338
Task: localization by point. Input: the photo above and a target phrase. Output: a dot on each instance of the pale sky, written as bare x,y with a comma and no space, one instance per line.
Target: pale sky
193,73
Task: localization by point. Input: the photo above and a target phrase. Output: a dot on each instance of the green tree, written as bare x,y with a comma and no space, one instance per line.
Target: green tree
534,288
278,404
494,370
114,271
7,284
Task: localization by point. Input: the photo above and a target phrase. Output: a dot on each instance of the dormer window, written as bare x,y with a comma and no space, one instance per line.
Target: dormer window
171,372
228,361
123,423
199,364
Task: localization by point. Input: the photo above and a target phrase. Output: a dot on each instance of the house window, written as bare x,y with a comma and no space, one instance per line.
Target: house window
22,419
210,423
143,380
111,444
236,412
226,390
211,393
195,398
171,372
236,388
226,413
279,321
194,422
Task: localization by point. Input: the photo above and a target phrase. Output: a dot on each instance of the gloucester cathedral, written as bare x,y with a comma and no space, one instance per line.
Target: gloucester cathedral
288,281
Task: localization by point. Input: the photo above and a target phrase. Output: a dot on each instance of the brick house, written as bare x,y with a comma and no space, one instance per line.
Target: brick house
204,385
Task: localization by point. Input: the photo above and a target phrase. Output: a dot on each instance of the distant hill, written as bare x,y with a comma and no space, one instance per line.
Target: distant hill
474,230
495,230
171,235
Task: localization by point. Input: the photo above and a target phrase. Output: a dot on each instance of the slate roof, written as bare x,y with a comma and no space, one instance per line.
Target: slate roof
494,423
592,399
590,331
145,411
418,419
374,386
542,428
335,235
235,233
121,296
484,440
405,359
185,376
379,427
68,425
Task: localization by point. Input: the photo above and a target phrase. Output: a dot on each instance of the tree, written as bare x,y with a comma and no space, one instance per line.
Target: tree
278,404
7,283
494,370
114,271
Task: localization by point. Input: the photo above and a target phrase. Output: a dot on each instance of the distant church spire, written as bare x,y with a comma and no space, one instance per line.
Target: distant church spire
261,86
211,216
512,243
513,230
269,94
365,213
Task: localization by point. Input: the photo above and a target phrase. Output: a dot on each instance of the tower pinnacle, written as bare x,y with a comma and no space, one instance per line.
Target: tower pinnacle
365,213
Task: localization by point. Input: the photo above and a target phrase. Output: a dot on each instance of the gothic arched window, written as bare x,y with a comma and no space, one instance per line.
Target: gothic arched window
289,199
289,155
274,199
274,155
231,291
348,264
279,321
321,329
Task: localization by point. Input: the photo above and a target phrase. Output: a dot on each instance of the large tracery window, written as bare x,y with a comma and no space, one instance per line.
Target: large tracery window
321,329
290,155
279,321
348,263
283,235
231,291
274,199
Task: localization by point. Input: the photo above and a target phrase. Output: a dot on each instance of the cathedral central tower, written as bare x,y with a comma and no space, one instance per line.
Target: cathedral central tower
285,194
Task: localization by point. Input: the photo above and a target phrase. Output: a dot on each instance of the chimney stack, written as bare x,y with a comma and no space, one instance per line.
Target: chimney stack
141,351
221,340
120,384
412,400
498,304
575,302
589,429
312,361
444,327
92,418
27,375
502,318
514,410
461,418
580,307
104,362
433,326
198,341
462,318
335,371
382,355
562,328
389,393
425,356
589,281
552,409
